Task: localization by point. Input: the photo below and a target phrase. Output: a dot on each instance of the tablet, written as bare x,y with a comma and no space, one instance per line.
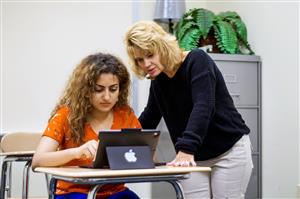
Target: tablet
124,137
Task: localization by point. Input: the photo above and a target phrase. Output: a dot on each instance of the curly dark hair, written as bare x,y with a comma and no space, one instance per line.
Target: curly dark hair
80,87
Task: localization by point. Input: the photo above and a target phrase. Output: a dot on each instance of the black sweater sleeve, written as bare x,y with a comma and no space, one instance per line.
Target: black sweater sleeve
151,115
202,87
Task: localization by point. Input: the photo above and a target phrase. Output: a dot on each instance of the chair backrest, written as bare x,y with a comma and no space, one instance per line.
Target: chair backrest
20,141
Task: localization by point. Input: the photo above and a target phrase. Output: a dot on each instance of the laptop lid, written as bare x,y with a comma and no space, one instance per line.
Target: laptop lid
124,137
129,157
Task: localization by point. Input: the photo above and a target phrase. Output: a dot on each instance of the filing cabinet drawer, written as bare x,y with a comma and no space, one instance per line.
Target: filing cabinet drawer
251,119
241,79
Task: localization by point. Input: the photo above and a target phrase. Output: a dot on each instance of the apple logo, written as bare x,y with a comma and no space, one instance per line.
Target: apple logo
130,156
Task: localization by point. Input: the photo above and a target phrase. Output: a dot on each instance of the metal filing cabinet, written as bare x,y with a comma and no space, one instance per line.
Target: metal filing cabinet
242,74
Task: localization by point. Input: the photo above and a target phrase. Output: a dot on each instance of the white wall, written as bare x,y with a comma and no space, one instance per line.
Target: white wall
42,42
298,104
145,12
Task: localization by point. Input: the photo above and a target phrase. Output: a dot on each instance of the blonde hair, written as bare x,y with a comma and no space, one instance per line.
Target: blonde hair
81,85
150,38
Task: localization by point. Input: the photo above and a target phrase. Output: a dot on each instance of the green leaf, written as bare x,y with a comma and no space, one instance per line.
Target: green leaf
178,27
204,19
189,41
240,28
188,24
228,14
228,37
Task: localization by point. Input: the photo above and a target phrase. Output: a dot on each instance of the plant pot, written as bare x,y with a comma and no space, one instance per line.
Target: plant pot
210,40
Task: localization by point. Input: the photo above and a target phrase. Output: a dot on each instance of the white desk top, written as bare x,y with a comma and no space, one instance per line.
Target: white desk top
16,153
86,172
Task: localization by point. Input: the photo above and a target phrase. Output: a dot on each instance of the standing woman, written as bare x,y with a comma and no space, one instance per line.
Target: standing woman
95,98
188,91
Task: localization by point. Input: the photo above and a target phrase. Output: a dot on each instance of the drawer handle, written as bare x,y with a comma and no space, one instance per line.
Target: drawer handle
230,78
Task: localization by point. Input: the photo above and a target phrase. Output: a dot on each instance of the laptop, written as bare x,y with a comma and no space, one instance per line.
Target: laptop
126,148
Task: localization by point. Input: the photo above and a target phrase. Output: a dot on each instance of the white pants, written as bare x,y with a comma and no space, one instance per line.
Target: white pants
229,176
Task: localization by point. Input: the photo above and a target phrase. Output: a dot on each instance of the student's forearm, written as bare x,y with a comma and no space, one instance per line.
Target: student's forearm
55,158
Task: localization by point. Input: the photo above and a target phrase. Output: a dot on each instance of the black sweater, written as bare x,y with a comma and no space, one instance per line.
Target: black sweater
197,108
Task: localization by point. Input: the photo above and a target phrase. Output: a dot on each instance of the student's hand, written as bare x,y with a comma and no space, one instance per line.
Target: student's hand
183,160
86,151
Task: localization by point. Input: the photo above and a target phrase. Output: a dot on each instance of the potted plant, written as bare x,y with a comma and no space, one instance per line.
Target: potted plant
225,32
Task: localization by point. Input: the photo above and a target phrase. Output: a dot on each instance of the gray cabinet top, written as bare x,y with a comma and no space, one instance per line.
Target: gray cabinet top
234,57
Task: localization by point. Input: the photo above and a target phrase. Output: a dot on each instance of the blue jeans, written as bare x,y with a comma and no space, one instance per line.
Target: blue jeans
126,194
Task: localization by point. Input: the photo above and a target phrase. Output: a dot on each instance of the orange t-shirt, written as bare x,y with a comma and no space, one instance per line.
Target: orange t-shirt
59,130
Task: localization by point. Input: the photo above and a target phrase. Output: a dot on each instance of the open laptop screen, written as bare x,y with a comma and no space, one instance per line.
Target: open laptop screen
124,137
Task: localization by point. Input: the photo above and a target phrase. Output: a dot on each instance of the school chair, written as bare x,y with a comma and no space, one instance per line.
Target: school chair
17,147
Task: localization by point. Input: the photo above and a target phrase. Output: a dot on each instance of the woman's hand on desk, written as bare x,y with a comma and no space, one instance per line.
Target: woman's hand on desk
87,150
183,159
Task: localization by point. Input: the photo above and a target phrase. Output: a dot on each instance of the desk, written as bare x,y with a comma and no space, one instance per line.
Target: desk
98,177
9,157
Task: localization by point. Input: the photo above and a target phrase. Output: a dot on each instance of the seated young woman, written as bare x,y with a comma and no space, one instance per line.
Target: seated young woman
95,98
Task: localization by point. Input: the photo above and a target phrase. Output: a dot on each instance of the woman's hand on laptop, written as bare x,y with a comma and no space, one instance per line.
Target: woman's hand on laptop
86,151
183,160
